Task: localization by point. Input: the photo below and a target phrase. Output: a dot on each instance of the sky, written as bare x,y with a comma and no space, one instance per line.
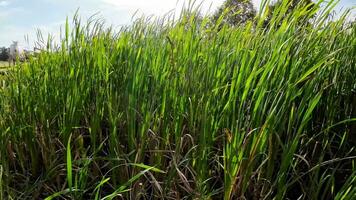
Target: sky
20,18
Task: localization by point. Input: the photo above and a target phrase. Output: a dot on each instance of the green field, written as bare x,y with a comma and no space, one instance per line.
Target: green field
185,109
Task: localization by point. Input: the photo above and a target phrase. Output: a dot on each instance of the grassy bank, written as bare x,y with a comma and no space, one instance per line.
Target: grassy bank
185,109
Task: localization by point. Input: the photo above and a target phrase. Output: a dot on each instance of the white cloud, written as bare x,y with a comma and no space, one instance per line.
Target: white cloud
14,33
158,7
161,7
7,12
4,3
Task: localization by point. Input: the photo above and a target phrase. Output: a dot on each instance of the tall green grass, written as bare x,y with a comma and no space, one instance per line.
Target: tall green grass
185,109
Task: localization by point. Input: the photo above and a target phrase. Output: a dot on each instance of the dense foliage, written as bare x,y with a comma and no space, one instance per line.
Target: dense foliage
235,12
4,54
181,110
286,7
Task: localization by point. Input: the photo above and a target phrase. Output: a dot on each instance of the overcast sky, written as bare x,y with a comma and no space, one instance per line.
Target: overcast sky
22,17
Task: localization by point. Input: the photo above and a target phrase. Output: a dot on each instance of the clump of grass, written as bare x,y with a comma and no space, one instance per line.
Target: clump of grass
184,108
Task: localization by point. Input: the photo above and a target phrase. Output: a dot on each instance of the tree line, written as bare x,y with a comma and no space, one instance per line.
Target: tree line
239,12
4,54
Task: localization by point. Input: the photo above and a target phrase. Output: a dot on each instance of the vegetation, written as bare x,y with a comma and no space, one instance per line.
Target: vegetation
236,12
289,7
4,54
168,109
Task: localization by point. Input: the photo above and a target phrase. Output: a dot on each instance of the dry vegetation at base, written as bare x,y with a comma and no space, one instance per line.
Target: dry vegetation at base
185,110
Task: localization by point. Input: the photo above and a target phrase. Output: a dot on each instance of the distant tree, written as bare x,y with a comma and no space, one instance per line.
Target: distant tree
4,54
292,5
192,17
238,12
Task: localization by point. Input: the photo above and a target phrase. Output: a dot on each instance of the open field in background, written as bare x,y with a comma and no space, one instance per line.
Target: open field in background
185,109
3,69
3,64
